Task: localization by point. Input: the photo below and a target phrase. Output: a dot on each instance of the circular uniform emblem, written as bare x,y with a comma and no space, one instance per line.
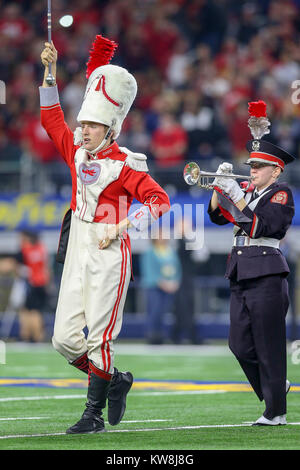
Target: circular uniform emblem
89,174
280,198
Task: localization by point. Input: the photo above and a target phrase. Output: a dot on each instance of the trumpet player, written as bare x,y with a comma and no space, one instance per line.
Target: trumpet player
258,272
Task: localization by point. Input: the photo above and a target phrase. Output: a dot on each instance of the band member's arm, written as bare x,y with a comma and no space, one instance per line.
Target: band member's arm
52,117
49,56
147,191
274,217
270,219
113,232
214,201
214,211
154,199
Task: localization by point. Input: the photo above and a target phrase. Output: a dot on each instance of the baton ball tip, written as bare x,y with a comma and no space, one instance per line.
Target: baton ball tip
66,21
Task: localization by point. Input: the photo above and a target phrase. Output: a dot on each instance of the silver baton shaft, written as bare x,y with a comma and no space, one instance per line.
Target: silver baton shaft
49,79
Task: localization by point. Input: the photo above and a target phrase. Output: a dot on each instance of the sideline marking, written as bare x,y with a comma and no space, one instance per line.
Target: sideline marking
203,426
138,384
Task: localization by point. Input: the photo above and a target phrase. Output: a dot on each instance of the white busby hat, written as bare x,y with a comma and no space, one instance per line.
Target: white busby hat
110,90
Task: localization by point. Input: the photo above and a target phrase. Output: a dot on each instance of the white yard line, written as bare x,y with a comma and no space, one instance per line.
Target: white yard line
33,435
138,349
147,421
21,418
43,397
178,428
136,394
179,392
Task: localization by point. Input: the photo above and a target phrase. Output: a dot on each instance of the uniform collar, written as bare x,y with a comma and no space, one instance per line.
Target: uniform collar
258,193
109,152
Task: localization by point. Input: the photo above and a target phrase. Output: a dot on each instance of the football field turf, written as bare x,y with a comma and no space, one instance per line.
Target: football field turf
183,398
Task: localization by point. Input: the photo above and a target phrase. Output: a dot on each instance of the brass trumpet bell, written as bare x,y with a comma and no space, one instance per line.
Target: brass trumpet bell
191,173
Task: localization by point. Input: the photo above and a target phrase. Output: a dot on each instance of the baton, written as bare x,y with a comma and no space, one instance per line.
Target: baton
50,80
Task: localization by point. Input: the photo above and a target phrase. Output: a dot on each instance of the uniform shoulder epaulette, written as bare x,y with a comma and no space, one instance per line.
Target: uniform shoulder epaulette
283,185
136,161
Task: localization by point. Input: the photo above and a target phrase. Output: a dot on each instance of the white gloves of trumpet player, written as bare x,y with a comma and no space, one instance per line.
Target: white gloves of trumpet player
228,185
232,189
223,168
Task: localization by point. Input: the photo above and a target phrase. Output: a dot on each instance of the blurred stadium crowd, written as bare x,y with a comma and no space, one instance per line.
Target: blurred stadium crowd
197,64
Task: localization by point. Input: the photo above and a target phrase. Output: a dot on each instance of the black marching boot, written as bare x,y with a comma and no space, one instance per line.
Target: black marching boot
120,385
91,421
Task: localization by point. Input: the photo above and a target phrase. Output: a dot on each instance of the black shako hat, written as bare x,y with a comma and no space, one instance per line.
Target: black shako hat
265,152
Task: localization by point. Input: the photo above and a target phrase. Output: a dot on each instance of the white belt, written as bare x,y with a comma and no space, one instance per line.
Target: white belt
247,241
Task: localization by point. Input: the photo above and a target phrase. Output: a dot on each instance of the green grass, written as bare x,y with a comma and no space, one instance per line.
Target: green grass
181,412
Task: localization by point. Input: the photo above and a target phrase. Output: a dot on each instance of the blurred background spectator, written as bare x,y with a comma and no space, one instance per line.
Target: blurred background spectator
29,294
184,328
160,278
34,257
197,63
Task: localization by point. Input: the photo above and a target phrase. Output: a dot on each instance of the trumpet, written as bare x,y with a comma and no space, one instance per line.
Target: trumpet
193,175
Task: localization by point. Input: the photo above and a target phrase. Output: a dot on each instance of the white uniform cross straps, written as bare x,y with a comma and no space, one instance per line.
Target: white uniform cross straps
93,176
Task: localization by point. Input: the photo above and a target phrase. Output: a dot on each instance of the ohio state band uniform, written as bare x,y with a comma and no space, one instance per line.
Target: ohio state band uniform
103,191
258,272
105,180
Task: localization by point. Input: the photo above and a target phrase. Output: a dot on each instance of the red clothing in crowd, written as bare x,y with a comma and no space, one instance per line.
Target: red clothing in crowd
239,133
38,141
161,37
14,29
35,258
169,145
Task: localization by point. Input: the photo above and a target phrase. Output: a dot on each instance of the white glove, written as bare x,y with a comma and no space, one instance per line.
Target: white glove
231,188
223,168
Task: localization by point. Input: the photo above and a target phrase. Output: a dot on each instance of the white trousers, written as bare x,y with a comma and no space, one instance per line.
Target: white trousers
92,293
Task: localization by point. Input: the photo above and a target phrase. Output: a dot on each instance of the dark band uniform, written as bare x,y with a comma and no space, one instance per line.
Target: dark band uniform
257,271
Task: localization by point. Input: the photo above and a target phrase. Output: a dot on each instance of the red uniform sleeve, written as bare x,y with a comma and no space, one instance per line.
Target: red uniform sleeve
52,119
146,190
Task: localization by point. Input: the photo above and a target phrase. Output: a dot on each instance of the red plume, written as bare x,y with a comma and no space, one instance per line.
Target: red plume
101,53
257,109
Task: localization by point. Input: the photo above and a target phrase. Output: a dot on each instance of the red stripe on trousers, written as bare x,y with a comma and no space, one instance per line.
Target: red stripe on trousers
111,318
116,308
122,289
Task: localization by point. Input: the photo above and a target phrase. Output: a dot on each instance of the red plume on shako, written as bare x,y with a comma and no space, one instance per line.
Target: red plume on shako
257,109
261,150
109,93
